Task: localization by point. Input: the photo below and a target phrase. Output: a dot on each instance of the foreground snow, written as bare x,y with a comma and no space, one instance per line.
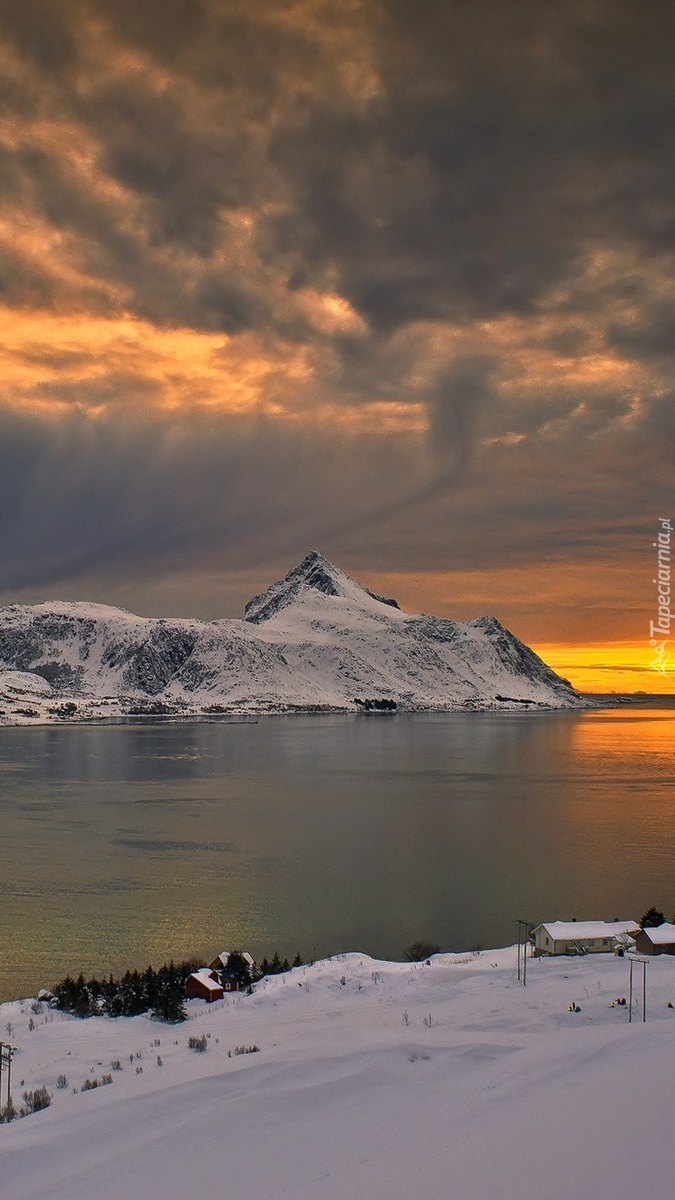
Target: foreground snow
373,1079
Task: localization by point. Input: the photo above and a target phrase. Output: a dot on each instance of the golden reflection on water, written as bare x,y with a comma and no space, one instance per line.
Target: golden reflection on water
627,731
128,846
621,815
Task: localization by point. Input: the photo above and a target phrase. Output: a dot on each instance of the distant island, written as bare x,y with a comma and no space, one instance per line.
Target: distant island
314,641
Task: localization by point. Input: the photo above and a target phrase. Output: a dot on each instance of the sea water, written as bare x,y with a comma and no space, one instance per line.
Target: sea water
129,844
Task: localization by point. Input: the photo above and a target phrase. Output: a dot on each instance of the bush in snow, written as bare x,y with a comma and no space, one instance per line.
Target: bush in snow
419,951
35,1101
90,1084
197,1042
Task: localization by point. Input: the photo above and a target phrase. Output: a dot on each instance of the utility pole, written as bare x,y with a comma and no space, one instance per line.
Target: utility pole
526,926
644,963
518,923
6,1053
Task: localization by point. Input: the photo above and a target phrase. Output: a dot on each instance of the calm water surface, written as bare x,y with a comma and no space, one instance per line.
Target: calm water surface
124,845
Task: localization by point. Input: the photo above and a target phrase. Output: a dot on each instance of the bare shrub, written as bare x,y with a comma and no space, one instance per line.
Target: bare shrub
35,1101
90,1084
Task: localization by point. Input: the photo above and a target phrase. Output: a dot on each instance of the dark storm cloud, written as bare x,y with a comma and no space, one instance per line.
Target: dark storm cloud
539,133
150,146
133,491
460,394
43,32
455,172
499,142
166,28
651,337
23,283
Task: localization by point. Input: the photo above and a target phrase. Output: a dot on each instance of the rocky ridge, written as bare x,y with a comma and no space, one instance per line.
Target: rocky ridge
315,640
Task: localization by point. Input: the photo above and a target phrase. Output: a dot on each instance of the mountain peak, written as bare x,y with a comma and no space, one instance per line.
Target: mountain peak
315,572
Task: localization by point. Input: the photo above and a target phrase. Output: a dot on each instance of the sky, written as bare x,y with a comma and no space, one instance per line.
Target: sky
390,280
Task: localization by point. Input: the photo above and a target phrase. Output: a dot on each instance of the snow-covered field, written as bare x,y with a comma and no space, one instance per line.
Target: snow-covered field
373,1079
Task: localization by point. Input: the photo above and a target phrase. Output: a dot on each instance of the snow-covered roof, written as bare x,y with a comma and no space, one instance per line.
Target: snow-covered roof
224,958
563,931
205,977
661,935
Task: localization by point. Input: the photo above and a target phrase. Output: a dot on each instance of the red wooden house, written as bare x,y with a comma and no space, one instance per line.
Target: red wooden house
203,985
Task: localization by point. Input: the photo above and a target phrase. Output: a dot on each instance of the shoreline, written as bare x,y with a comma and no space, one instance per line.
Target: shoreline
252,716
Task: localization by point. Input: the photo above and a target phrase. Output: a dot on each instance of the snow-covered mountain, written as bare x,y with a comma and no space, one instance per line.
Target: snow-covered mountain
313,640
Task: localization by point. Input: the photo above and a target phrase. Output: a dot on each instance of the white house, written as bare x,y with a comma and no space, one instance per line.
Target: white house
582,937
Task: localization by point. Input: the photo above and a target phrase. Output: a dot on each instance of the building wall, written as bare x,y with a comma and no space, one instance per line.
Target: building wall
545,945
644,945
194,990
585,946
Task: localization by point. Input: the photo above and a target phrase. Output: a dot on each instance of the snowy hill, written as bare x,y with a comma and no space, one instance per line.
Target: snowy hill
372,1079
313,640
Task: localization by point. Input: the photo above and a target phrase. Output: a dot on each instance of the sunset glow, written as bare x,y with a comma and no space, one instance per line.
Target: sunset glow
395,285
609,667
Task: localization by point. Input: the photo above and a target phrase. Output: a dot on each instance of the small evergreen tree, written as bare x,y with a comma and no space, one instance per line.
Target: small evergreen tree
169,1003
652,918
81,1004
238,969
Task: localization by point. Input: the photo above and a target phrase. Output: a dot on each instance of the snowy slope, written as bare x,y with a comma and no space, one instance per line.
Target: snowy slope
315,639
373,1079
